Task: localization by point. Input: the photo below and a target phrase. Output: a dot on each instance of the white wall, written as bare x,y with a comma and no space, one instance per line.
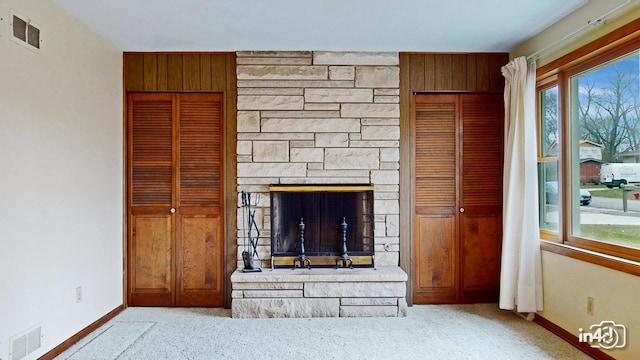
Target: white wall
567,281
567,284
60,178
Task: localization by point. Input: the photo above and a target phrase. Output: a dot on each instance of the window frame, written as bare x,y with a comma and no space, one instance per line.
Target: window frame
550,83
613,45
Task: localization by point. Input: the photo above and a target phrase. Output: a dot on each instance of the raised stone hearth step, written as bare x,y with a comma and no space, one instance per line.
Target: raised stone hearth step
362,292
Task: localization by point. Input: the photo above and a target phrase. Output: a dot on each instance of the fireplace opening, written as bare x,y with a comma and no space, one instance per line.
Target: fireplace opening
322,226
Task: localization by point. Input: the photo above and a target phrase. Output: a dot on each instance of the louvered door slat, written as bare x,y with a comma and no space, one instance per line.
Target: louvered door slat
151,152
435,138
200,150
482,150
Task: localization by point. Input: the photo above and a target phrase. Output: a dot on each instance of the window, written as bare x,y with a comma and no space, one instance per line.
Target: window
604,116
589,152
548,160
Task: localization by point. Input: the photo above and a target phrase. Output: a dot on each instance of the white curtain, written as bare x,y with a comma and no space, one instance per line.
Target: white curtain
521,269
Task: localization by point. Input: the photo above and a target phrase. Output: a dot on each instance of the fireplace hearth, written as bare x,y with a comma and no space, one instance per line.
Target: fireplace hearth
322,226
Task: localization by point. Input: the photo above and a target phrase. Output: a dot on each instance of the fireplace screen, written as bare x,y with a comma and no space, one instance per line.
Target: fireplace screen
323,225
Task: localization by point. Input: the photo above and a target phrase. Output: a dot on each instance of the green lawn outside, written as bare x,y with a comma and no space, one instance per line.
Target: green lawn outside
626,235
615,193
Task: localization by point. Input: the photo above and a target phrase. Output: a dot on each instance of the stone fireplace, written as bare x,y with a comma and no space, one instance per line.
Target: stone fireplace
314,119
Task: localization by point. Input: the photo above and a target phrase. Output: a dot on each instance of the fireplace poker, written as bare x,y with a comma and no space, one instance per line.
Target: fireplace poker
253,225
244,235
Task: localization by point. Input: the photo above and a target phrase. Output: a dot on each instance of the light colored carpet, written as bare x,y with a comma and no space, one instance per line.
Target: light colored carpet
478,331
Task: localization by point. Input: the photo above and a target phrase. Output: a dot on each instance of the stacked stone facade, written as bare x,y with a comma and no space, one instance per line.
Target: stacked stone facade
320,293
320,118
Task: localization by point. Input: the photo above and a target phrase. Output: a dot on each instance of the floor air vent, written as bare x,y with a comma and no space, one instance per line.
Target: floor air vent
26,343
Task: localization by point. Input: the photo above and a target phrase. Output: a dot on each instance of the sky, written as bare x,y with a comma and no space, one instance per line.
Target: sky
604,79
602,75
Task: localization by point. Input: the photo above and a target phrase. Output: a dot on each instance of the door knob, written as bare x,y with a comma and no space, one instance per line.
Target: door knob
461,210
173,210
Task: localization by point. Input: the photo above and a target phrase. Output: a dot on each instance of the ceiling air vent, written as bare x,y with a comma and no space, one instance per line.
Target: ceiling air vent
24,31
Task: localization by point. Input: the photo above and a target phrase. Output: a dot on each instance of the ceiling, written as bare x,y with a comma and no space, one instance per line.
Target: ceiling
335,25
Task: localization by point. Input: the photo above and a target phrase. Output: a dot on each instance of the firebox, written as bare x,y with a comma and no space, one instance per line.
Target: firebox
322,226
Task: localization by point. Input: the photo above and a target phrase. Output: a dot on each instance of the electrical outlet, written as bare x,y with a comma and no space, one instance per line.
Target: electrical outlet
78,294
590,305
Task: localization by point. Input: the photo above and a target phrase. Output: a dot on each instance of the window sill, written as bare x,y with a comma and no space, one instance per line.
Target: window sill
608,261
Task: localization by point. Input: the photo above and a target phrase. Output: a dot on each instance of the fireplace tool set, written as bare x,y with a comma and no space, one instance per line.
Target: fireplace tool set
249,225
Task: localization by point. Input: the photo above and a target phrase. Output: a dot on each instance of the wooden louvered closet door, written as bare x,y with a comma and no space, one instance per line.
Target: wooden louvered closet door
175,243
458,197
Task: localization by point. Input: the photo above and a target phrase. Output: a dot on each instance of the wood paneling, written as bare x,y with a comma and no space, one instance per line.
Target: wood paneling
175,73
443,72
416,73
191,72
163,70
459,70
482,72
435,73
406,175
150,69
205,73
178,72
222,69
471,73
228,72
134,73
199,73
